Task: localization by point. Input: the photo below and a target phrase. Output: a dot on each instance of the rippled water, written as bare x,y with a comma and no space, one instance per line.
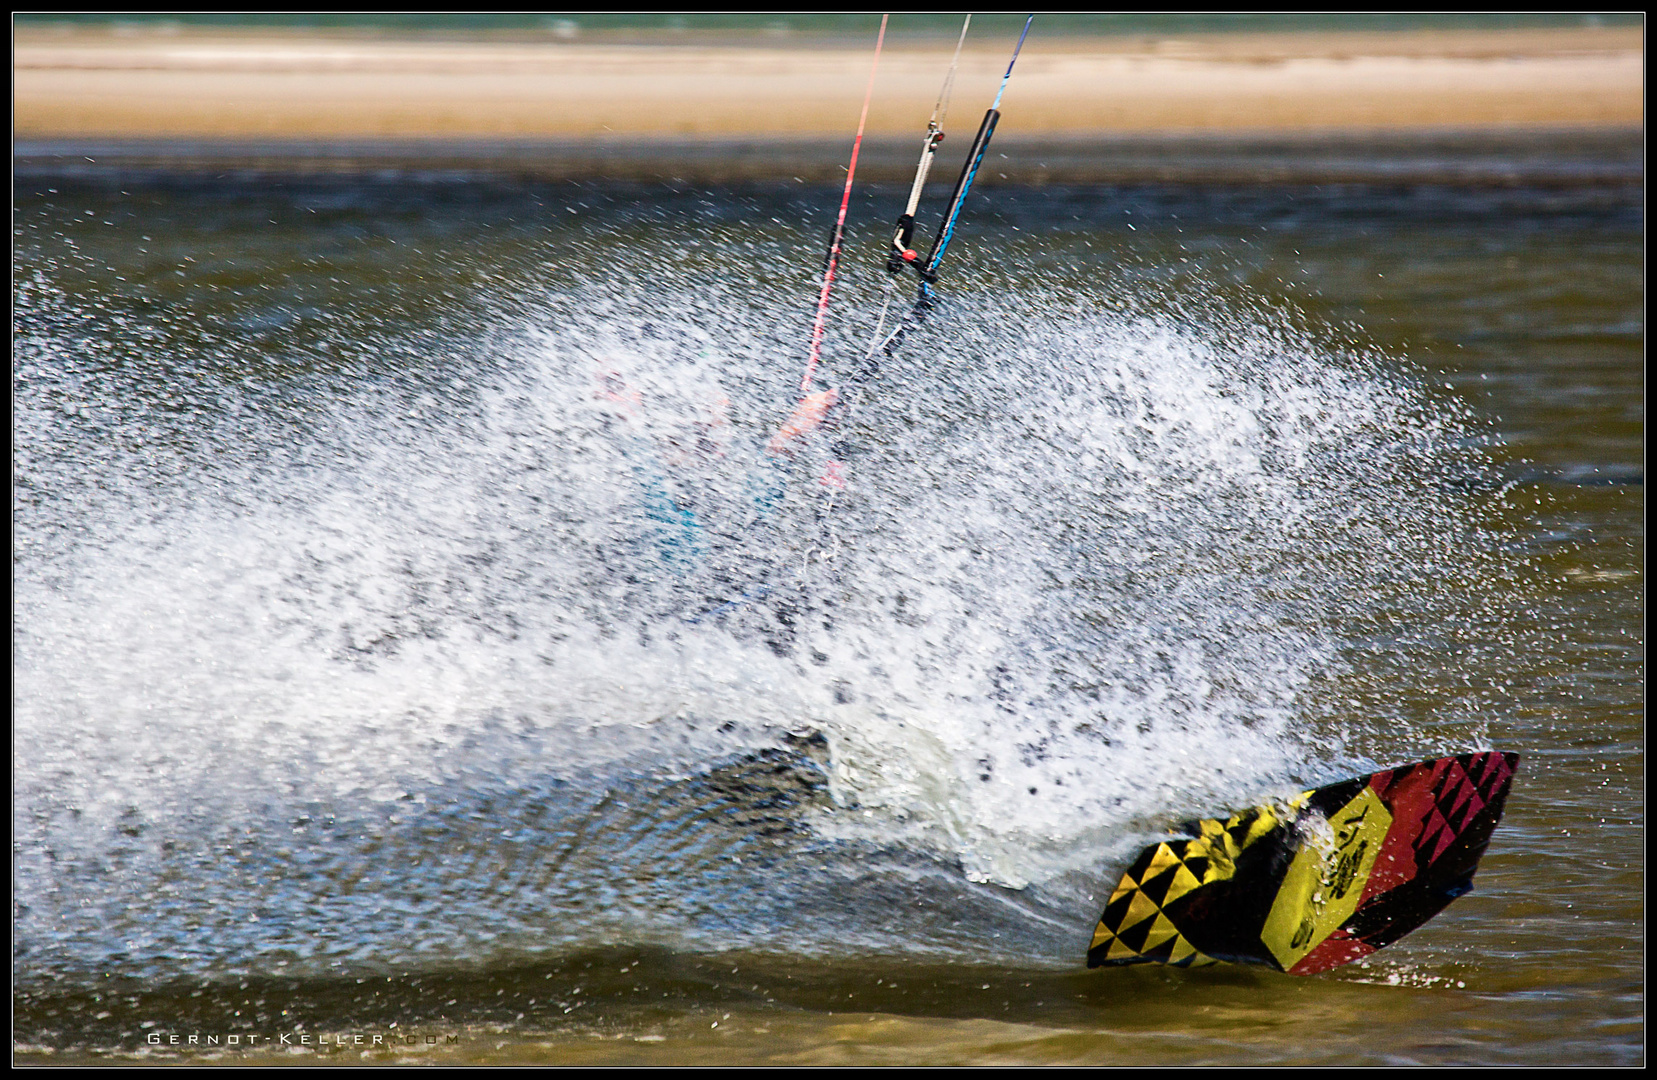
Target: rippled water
413,638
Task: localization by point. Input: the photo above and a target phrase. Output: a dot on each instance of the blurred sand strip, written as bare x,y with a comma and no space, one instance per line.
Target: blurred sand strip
321,87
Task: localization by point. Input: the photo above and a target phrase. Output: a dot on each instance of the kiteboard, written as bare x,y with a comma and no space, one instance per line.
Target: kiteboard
1332,876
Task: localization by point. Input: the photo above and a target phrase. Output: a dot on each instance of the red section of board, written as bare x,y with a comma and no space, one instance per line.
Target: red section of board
1337,949
1408,795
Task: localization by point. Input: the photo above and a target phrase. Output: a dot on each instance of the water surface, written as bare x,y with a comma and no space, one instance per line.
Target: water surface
413,638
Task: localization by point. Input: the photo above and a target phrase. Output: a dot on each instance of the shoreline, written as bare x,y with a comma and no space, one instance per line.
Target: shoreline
282,85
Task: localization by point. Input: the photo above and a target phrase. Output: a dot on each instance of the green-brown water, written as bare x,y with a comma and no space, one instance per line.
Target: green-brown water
363,692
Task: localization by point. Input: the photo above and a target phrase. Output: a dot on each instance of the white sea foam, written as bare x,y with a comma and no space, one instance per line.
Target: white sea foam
1092,570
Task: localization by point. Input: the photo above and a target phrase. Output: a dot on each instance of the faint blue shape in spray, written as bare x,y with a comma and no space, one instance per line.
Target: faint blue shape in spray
678,535
766,486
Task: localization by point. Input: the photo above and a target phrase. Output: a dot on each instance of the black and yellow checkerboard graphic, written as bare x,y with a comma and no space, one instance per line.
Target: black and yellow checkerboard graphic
1135,928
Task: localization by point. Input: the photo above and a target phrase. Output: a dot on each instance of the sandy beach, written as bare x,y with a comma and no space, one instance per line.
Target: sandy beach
198,84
